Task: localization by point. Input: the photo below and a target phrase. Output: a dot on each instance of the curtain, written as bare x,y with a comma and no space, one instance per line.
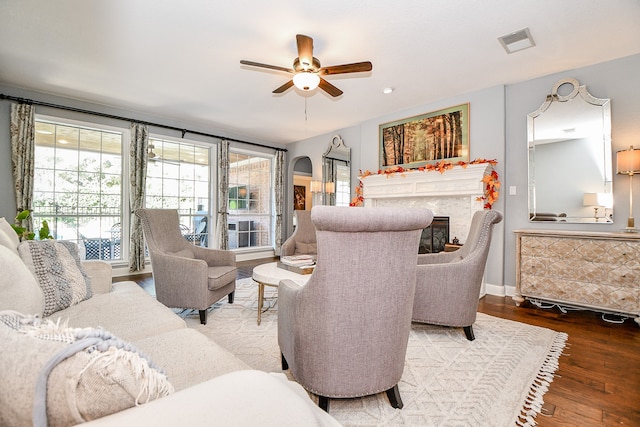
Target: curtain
22,130
279,196
137,177
223,195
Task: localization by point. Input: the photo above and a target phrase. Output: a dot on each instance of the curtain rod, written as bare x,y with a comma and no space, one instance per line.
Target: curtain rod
112,116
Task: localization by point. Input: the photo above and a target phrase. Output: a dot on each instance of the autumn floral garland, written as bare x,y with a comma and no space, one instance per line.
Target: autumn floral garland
490,179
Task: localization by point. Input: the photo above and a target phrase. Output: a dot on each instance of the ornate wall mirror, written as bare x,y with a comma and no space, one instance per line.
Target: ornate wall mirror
336,173
569,149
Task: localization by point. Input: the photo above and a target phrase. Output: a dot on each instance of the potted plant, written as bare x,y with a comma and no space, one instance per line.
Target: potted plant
25,234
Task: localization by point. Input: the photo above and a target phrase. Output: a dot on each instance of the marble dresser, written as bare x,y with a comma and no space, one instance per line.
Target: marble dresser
599,271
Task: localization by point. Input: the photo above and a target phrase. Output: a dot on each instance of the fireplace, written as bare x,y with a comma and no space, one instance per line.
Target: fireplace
453,194
435,236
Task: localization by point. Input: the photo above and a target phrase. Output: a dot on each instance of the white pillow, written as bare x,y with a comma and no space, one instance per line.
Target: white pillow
59,272
19,289
6,242
10,238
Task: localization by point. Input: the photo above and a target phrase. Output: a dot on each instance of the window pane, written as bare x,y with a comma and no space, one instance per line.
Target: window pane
249,206
78,185
178,178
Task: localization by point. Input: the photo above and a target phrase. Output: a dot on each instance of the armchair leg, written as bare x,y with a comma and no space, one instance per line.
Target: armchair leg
231,297
468,331
203,316
285,365
323,403
394,397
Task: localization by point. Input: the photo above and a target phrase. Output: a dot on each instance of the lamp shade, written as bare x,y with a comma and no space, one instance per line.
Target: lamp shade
330,187
306,80
316,186
628,161
590,199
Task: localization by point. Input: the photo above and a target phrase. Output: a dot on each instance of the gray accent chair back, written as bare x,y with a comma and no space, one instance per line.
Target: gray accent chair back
344,334
303,238
185,275
448,283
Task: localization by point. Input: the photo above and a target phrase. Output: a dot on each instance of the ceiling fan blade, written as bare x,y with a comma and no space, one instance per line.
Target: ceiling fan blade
347,68
284,87
305,49
329,88
271,67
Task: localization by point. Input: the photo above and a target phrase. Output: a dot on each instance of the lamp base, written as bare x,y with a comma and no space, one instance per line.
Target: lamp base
631,226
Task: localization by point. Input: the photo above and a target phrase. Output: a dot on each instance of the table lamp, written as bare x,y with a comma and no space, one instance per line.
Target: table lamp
628,162
592,199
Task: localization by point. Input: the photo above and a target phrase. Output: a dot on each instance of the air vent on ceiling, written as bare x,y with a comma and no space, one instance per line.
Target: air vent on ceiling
516,41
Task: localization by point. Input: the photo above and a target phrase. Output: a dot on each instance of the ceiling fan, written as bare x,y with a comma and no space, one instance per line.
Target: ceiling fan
307,71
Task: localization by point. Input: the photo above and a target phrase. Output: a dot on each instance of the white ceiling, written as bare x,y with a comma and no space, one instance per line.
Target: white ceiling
180,59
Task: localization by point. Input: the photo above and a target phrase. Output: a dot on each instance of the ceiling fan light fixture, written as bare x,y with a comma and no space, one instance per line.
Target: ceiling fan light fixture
306,80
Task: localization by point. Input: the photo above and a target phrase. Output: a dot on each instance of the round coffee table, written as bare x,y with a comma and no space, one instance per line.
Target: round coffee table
270,275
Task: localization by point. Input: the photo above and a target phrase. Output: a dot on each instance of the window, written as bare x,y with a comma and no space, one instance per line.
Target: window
78,186
178,176
81,188
250,219
343,185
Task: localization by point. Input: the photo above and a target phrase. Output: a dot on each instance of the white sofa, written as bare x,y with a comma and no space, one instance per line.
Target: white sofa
211,385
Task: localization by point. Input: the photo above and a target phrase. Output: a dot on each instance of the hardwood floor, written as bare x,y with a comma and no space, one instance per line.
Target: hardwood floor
598,380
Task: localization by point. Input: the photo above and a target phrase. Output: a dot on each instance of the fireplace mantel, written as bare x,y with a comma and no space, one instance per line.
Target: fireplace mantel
458,181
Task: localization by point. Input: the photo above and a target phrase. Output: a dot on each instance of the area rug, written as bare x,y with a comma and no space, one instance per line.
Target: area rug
497,380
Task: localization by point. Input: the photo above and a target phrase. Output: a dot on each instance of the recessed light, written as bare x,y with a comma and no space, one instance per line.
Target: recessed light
44,132
387,90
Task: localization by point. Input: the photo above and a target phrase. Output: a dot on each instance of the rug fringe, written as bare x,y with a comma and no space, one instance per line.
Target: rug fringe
534,400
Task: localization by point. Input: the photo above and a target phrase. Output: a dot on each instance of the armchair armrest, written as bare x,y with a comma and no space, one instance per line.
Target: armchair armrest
288,248
437,258
288,319
214,257
180,269
100,275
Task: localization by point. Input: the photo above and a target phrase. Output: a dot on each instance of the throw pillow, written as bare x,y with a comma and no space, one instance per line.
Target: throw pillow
19,290
13,240
6,242
306,248
59,272
59,376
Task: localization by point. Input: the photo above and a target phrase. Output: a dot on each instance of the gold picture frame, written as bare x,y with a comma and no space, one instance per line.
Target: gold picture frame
428,138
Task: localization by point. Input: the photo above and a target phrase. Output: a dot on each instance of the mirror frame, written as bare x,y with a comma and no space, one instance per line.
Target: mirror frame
337,152
579,92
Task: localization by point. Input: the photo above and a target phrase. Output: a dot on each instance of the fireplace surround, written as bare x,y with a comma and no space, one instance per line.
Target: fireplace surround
454,193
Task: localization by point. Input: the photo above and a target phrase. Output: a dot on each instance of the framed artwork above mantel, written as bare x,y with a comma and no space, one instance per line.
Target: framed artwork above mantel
428,138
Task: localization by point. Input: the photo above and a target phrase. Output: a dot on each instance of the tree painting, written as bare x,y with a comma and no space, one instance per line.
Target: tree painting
429,138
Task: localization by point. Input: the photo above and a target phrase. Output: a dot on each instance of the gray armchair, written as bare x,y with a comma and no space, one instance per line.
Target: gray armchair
448,283
303,239
344,334
185,275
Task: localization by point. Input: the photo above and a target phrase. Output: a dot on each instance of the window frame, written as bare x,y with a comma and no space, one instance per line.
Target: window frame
124,170
271,203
